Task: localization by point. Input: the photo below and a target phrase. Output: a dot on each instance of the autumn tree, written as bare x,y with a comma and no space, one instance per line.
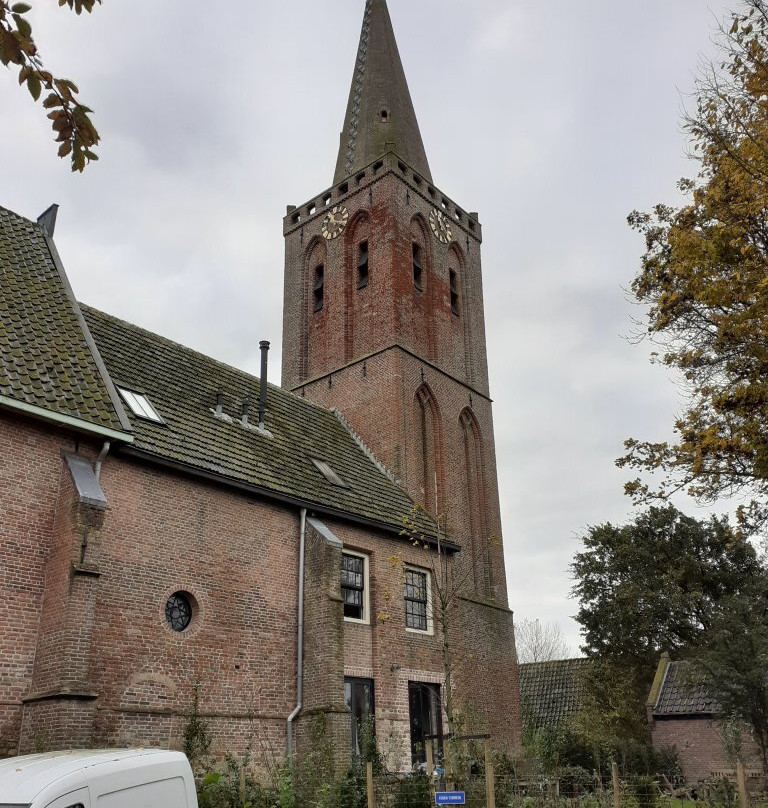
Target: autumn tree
705,279
536,641
70,119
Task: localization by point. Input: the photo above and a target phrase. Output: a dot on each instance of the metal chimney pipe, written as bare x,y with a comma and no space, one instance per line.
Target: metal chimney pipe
264,345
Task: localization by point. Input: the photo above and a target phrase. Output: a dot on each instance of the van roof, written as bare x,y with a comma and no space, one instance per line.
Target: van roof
23,778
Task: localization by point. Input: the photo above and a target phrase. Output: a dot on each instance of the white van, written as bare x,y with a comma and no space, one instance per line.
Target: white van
106,778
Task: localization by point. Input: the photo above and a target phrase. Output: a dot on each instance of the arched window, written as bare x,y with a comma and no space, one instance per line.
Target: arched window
418,266
429,450
318,288
454,284
475,504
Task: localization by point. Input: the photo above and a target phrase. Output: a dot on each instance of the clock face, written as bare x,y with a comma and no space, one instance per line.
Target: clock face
335,222
441,226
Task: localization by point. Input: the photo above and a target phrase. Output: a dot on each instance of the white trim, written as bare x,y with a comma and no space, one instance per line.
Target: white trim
366,618
430,630
67,420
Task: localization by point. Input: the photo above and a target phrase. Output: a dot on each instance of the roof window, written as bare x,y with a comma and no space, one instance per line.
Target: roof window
140,405
328,473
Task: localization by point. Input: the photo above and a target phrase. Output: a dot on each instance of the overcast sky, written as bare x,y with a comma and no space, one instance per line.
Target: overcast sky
552,119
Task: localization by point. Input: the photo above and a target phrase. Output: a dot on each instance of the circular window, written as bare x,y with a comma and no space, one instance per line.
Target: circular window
178,611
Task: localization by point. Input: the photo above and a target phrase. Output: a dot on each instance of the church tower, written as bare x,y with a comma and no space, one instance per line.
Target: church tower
383,315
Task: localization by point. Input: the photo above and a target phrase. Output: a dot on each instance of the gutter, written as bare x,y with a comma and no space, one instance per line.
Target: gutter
299,640
64,420
286,499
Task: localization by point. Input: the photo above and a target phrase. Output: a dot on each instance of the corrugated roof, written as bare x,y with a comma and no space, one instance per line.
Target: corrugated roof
550,692
680,695
45,359
182,385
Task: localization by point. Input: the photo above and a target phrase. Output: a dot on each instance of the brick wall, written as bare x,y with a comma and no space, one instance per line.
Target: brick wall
699,746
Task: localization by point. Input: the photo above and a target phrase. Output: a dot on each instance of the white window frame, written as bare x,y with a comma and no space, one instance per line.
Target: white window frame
140,405
430,630
366,618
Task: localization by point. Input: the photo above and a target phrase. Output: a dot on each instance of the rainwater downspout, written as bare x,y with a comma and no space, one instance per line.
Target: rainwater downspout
100,459
299,638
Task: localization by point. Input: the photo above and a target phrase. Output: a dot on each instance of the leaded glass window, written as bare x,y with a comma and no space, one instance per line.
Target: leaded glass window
416,597
353,586
178,611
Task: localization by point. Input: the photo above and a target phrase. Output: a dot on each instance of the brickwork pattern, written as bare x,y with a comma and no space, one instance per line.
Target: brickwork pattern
699,746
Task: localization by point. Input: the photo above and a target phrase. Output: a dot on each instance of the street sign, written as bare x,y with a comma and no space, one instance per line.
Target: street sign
450,798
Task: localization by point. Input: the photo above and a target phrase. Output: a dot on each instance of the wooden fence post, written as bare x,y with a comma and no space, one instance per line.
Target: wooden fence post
369,781
616,791
490,780
742,781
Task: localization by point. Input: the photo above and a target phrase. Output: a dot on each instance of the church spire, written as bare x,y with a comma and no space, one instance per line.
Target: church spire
380,115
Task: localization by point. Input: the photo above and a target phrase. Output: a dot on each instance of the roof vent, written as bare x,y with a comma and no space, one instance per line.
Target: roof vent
328,473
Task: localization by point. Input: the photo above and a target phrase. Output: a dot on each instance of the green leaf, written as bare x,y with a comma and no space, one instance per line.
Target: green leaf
34,86
20,8
23,27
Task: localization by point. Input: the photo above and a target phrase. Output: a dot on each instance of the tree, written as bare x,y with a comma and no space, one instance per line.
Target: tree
733,658
654,585
539,642
704,278
657,584
70,120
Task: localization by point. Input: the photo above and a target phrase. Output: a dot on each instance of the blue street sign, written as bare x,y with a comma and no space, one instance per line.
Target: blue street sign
449,798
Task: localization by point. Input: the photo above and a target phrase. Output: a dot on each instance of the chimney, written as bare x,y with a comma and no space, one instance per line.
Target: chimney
219,401
47,220
264,345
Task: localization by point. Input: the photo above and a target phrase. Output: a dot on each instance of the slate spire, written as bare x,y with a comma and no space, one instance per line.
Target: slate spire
380,115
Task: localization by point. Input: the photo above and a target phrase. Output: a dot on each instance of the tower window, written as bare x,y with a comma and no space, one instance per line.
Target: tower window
418,270
384,115
454,292
362,265
319,290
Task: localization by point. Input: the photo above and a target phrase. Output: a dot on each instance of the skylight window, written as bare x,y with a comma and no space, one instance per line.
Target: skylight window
139,405
328,473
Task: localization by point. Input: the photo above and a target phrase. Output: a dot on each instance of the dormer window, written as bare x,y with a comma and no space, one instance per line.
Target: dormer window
362,265
319,288
454,283
140,405
418,270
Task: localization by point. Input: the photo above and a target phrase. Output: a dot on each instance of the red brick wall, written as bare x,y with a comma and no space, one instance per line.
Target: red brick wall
30,477
699,746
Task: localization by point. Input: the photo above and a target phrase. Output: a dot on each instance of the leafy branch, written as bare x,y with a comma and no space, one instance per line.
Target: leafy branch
70,120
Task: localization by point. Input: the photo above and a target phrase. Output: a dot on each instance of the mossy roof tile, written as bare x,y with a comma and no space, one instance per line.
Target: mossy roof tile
45,360
551,692
182,386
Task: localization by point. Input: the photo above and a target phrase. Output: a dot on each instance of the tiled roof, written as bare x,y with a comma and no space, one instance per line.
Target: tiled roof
679,695
550,692
182,385
45,359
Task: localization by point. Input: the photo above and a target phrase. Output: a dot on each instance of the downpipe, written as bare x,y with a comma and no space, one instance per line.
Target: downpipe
299,640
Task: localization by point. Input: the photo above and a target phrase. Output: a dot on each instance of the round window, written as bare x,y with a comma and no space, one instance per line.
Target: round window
178,611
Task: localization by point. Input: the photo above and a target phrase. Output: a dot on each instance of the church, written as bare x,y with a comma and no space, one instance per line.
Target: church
292,559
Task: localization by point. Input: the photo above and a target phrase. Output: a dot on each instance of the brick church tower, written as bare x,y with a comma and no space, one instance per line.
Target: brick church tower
384,321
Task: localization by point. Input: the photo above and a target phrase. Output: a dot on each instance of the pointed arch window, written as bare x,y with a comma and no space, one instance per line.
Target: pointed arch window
362,264
318,288
418,266
429,447
454,284
475,504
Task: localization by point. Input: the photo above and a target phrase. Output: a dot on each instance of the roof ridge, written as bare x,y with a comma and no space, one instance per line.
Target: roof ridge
176,344
21,218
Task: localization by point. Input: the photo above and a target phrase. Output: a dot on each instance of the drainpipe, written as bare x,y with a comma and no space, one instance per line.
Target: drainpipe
299,638
100,459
